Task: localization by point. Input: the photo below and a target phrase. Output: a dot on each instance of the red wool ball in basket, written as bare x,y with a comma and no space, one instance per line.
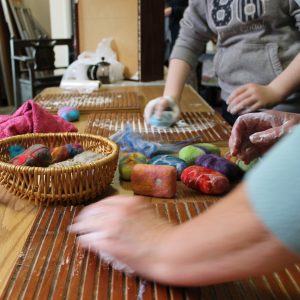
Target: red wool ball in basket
205,180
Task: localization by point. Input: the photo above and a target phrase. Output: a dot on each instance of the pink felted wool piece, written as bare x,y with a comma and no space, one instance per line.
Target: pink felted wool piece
154,181
32,118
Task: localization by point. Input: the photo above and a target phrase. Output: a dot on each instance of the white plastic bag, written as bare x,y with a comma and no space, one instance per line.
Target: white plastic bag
78,69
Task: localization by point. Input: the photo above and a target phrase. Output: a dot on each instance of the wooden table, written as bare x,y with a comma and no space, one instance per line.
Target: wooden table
17,217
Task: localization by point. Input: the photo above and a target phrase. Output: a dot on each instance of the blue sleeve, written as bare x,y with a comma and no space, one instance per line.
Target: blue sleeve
273,187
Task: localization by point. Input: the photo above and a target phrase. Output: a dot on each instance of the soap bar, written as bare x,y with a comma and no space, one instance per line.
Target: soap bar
154,181
37,155
128,161
169,160
220,164
205,180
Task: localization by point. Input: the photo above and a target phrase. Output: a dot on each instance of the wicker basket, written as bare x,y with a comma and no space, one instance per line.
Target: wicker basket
64,185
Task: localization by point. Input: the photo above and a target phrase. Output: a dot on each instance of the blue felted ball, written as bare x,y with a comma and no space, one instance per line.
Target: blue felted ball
166,119
15,150
69,113
169,160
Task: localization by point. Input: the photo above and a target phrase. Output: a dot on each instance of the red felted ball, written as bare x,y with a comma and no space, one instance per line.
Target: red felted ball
205,180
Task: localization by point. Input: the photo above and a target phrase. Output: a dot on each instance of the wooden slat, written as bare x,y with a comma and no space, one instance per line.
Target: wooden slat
52,266
201,126
91,102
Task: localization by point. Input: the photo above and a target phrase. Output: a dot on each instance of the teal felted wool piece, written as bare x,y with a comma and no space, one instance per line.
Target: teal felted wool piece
190,153
15,150
169,160
210,148
166,120
69,113
128,161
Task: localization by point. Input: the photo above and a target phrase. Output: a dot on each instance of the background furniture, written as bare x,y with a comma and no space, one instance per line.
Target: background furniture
32,52
137,29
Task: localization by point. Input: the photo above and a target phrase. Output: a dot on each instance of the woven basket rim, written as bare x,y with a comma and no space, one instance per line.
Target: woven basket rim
38,170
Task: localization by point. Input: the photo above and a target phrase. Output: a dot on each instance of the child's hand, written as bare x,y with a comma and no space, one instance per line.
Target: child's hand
158,105
251,97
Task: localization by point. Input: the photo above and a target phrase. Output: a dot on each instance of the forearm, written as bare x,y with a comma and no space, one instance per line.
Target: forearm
177,75
227,242
289,80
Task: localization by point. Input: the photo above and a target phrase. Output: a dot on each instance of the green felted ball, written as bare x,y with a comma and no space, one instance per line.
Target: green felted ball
211,148
245,167
190,153
128,161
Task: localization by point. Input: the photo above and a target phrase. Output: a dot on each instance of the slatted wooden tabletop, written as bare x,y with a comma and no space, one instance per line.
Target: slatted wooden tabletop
52,266
207,126
91,102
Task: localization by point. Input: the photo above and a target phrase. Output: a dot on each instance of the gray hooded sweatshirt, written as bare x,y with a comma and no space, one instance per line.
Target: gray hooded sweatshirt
257,39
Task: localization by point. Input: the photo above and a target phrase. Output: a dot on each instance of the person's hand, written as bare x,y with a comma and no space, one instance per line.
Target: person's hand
168,11
253,134
125,228
158,105
251,97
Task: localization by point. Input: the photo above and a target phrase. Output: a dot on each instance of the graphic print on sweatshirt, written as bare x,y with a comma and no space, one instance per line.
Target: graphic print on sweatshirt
223,11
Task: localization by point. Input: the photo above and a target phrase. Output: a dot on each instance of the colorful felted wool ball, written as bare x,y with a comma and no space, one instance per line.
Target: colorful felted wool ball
154,181
209,148
15,150
69,113
220,164
127,161
190,153
65,152
35,156
205,180
169,160
166,119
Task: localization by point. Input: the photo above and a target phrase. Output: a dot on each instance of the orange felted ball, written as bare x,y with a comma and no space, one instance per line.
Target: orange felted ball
154,181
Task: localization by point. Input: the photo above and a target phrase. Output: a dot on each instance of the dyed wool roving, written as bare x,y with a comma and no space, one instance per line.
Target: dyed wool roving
220,164
79,159
15,150
35,156
166,119
205,180
127,161
169,160
154,181
190,153
69,113
65,152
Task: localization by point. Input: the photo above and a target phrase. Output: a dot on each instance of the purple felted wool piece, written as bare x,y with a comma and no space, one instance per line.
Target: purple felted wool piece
220,164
